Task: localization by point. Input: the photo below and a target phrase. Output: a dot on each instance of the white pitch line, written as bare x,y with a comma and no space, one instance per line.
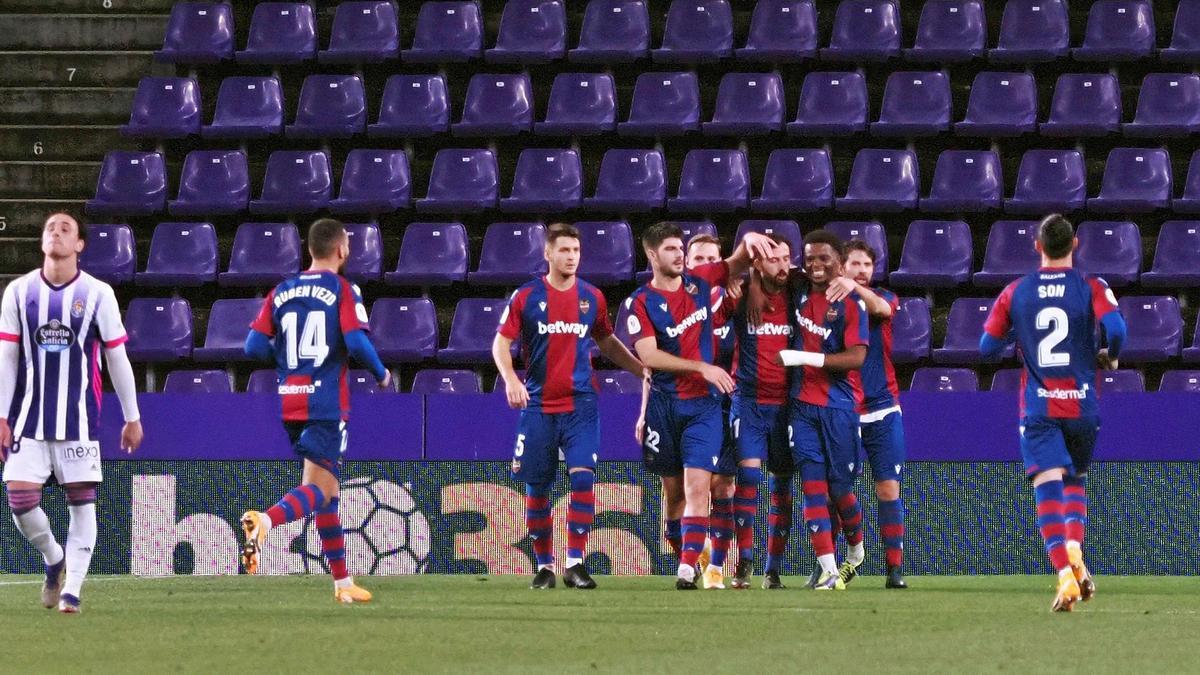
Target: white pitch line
38,582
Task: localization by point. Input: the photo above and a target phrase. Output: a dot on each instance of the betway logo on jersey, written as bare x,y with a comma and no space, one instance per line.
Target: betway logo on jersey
1064,394
292,389
692,319
812,327
319,293
562,328
770,329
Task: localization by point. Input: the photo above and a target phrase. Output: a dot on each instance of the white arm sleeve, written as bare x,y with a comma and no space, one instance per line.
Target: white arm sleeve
121,373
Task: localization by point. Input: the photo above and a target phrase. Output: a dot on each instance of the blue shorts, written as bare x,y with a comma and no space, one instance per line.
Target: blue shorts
828,436
321,442
545,439
761,432
1051,443
884,442
682,434
728,463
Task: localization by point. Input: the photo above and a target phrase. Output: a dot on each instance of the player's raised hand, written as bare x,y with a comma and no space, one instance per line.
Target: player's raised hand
1104,361
758,245
5,439
718,377
131,436
840,288
518,395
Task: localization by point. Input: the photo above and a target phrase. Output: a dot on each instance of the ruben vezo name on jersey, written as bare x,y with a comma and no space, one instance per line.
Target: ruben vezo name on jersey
812,326
767,329
562,328
1064,394
319,293
691,320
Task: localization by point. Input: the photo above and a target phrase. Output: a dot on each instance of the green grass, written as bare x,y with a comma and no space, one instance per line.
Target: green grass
496,624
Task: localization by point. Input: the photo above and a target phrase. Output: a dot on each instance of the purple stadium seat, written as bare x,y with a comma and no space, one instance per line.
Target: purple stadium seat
1121,381
197,382
262,381
1111,250
618,382
747,104
1185,35
1084,105
696,31
581,104
413,105
496,105
614,31
781,31
864,30
911,331
788,229
630,181
1049,181
531,31
446,32
280,33
1007,379
296,181
964,326
1032,31
1118,30
1192,354
131,183
363,382
331,106
404,330
228,323
181,254
247,107
198,32
213,182
831,104
365,263
914,104
965,181
884,181
950,31
936,254
511,254
164,107
1190,201
263,255
1176,255
796,180
712,181
690,229
607,252
498,383
462,181
1010,253
1181,381
1136,180
363,32
110,254
431,254
373,181
1001,104
435,381
159,329
870,232
546,181
1155,328
944,380
664,104
1168,105
472,330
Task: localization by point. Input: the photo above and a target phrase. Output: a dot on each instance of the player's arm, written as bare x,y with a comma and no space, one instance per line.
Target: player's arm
615,351
514,388
856,333
1104,305
352,319
639,428
10,351
258,346
656,359
120,371
359,346
998,326
877,305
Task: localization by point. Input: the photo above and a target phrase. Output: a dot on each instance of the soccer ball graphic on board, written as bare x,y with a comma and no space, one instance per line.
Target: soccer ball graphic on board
385,533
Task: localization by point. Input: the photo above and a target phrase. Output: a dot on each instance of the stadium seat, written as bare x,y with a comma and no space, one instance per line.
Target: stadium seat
498,383
164,107
1181,381
884,181
435,381
413,106
198,32
130,183
696,31
281,33
496,105
511,254
712,181
546,181
363,382
788,229
965,181
1084,105
1185,34
446,32
531,31
581,104
296,181
964,326
607,252
465,181
1168,106
431,254
1000,104
690,229
472,330
363,32
1176,256
1007,379
1136,180
331,106
262,381
1155,328
181,254
1009,254
373,181
664,104
1192,354
870,232
831,104
197,382
110,254
781,31
747,104
213,182
1032,31
1049,181
247,107
365,263
404,330
1120,381
949,31
1117,30
912,329
618,382
263,255
864,30
944,380
228,323
796,180
1190,201
159,329
936,254
630,181
614,31
914,104
1111,250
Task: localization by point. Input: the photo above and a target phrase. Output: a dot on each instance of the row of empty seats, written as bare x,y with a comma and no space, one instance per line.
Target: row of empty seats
1009,379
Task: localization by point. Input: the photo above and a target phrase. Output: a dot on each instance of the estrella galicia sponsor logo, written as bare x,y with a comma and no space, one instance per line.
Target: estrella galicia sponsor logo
54,336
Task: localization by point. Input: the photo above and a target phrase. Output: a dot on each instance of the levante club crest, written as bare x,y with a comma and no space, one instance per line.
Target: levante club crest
584,306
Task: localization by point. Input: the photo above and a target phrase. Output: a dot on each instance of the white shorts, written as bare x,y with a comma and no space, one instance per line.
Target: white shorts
33,461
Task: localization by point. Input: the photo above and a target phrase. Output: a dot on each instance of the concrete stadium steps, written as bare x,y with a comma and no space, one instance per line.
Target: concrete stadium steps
23,217
61,143
65,105
78,68
50,32
100,7
48,180
20,254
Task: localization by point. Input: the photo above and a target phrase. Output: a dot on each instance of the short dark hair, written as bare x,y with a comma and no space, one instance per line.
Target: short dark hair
324,235
79,221
557,230
657,233
703,238
826,237
1057,235
860,245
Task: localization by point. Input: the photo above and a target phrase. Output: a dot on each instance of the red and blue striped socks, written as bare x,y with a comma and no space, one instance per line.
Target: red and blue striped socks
333,543
816,508
851,517
745,509
1052,523
891,530
673,533
539,523
300,503
694,529
779,520
720,530
581,513
1075,508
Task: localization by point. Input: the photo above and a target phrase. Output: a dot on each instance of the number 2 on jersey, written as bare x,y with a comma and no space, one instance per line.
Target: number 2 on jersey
1054,318
310,344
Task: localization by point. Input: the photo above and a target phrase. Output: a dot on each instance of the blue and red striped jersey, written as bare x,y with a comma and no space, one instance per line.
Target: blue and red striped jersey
830,328
759,377
880,389
724,337
553,327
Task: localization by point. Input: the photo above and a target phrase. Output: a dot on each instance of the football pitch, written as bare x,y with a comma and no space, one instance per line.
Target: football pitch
466,623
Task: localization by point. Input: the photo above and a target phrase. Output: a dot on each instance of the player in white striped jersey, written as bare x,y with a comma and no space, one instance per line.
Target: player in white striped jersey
53,323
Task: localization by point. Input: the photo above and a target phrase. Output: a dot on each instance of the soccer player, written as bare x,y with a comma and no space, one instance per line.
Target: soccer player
1052,314
879,413
54,321
553,317
671,323
308,324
